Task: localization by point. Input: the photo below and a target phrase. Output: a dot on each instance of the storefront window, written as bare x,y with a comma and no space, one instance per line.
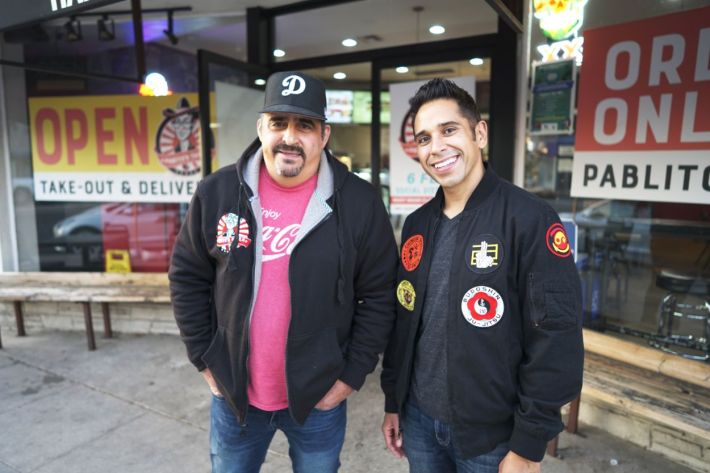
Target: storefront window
101,175
644,259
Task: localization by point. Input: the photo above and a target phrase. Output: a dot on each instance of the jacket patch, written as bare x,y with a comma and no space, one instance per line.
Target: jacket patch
406,295
486,254
557,241
482,306
412,252
227,230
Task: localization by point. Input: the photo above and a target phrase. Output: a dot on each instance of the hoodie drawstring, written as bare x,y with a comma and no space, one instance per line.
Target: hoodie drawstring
232,265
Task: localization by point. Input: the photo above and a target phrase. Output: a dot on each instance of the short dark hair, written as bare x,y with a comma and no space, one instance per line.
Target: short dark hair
439,88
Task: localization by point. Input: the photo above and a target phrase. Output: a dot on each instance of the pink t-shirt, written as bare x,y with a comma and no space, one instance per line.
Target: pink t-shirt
282,213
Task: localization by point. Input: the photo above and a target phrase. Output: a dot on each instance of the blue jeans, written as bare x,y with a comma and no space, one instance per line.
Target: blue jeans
430,447
313,447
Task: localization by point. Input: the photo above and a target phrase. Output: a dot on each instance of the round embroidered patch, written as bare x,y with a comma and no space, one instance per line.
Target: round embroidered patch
406,294
227,230
482,306
412,252
485,254
557,241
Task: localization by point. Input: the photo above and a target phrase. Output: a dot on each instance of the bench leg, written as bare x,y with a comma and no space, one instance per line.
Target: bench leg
573,415
89,324
19,319
0,337
108,332
552,447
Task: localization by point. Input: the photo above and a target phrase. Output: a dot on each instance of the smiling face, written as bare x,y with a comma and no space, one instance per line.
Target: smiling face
292,146
448,146
560,242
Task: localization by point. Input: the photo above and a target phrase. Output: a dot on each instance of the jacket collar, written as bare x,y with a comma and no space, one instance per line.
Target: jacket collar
488,184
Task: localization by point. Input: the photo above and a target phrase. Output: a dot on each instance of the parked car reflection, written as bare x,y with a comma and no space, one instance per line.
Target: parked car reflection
87,222
146,231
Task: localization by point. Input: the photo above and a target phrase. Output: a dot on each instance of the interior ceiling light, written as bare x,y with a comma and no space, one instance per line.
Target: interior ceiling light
339,75
72,28
260,81
170,33
107,29
402,70
279,53
476,61
437,29
349,43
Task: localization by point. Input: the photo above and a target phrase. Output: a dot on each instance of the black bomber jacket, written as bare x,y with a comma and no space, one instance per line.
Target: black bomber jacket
514,326
341,277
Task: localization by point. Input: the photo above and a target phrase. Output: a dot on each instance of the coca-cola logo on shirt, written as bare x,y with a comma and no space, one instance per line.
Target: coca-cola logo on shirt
278,235
279,242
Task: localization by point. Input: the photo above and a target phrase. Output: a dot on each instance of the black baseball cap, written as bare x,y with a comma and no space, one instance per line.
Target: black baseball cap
295,92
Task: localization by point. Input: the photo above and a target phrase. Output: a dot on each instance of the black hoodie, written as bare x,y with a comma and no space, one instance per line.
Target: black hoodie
341,277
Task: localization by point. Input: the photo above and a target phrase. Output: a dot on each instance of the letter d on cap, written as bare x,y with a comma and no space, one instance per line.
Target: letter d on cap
294,85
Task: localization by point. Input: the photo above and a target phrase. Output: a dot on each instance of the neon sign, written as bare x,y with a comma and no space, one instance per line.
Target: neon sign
559,19
567,49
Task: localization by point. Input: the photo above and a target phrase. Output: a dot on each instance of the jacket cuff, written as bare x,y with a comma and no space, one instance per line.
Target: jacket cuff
353,375
197,360
528,446
391,405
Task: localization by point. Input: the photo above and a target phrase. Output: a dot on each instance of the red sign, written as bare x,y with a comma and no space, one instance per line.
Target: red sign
643,130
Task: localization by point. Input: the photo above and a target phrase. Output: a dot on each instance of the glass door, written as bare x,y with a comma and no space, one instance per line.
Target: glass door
231,94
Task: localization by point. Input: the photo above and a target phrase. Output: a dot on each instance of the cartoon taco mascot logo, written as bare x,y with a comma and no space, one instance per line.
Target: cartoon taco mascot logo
177,141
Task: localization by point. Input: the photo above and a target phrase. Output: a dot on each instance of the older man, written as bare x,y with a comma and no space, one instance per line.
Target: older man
282,280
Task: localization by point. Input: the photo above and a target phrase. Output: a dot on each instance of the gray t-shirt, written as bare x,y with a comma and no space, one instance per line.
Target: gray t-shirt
429,384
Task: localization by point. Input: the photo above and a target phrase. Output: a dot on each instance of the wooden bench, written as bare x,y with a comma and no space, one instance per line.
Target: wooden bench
82,288
664,391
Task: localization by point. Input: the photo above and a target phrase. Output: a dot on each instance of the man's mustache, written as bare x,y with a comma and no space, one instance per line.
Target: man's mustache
289,149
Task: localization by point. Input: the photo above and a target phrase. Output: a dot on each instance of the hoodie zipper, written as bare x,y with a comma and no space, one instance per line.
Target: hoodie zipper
243,420
248,327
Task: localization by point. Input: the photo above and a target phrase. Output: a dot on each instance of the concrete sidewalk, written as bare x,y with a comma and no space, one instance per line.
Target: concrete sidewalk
137,405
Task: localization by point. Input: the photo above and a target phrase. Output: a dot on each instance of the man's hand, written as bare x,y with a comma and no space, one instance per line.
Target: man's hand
514,463
207,374
393,436
335,395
